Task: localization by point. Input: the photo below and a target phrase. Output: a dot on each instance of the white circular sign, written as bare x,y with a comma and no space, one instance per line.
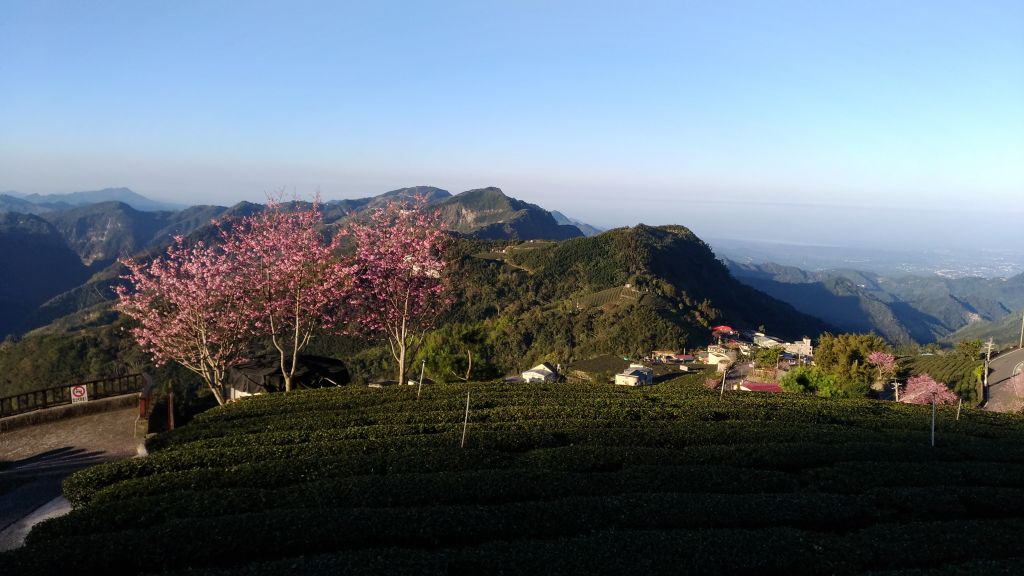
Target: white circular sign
78,391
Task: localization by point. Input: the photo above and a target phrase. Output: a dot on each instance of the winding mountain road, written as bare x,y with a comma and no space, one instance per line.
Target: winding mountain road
1005,395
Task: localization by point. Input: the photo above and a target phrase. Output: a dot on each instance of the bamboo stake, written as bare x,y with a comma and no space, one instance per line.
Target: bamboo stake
465,423
933,420
419,388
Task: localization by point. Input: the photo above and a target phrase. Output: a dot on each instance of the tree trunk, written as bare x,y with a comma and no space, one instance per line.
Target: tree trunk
216,393
401,363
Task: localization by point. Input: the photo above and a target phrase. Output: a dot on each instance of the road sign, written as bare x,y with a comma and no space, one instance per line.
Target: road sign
79,393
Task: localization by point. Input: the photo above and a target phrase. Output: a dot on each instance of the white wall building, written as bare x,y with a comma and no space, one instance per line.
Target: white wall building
540,373
635,375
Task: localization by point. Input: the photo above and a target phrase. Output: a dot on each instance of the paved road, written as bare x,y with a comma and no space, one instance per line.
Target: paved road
44,455
1004,394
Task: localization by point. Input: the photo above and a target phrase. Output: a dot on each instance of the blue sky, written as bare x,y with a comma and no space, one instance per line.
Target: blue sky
799,121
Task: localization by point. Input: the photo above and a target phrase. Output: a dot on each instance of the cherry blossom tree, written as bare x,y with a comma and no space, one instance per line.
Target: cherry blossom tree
290,281
186,310
924,389
886,364
400,277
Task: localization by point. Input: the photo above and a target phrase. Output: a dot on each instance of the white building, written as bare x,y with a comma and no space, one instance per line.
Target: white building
540,373
720,357
635,375
802,348
765,341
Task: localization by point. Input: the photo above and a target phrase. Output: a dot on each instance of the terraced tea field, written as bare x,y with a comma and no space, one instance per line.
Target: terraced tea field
554,478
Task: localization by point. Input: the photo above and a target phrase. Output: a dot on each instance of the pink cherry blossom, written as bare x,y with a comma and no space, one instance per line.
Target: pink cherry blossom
290,281
185,311
400,275
922,389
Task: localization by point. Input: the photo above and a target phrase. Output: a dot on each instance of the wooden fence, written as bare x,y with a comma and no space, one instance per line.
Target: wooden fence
39,399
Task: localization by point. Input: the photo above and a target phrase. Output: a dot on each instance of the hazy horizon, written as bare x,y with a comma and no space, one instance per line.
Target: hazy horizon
842,122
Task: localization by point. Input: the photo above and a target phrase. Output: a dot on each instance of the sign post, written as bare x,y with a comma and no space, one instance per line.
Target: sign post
79,393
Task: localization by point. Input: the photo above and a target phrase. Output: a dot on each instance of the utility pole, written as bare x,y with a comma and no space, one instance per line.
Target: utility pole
1021,343
988,357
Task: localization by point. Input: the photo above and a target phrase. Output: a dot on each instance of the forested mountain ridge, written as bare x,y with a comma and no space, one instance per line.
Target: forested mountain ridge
488,213
480,213
335,210
899,308
587,229
36,264
43,203
625,291
1005,331
99,231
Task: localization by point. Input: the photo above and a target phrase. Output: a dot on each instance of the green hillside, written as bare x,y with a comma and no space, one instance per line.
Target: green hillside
560,302
960,373
1003,332
553,479
672,267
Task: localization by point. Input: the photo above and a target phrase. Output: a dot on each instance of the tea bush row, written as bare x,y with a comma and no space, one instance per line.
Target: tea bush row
480,541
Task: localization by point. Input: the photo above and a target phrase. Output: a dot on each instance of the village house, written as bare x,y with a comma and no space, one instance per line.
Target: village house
765,341
801,349
720,357
635,375
540,373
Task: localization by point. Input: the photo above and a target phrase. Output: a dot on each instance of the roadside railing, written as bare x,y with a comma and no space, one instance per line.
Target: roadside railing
58,395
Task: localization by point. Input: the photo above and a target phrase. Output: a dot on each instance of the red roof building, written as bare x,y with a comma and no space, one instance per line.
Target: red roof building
761,387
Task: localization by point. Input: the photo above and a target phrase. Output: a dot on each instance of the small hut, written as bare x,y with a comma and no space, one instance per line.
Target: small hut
263,374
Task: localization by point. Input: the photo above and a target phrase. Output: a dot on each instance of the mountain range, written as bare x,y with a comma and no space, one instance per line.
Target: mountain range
80,241
43,203
80,236
529,289
900,308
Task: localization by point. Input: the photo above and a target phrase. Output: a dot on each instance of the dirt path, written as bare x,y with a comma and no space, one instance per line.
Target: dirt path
42,456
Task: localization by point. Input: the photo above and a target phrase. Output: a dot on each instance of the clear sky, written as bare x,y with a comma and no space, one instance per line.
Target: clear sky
783,120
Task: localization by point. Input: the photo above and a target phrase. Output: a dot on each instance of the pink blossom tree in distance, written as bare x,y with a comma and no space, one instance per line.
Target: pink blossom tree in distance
924,389
291,281
400,276
885,363
186,309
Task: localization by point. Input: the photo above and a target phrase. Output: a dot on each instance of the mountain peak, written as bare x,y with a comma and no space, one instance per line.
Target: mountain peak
485,198
125,195
431,193
489,213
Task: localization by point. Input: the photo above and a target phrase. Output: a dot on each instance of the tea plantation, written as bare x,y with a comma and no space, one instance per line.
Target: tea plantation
554,478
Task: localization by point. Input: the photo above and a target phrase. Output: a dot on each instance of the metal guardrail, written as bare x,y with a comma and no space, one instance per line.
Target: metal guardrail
58,395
